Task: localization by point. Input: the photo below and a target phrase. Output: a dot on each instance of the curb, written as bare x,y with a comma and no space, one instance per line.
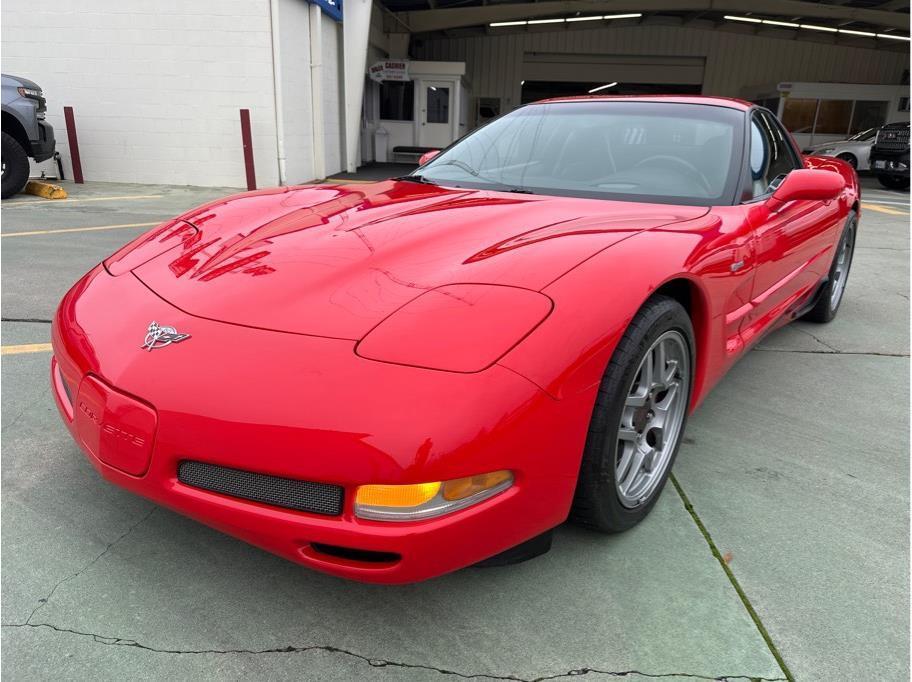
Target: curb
45,189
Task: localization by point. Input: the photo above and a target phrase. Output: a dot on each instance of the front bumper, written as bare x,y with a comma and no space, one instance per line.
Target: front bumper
890,164
308,408
42,149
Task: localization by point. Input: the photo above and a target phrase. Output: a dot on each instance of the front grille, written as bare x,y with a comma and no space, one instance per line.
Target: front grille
317,498
892,140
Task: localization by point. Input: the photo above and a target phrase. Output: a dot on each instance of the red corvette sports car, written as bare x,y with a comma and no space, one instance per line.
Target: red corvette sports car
394,380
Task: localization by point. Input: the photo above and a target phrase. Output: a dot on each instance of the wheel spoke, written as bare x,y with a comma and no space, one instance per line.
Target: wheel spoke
637,400
668,374
633,472
668,401
661,360
627,433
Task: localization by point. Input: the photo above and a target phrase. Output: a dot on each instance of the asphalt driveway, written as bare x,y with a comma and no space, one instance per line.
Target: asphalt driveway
781,550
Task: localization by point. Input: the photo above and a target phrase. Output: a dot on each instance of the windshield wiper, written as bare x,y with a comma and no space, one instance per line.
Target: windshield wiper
501,186
415,178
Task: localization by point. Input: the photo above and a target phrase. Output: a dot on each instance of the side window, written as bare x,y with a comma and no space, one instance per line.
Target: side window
771,156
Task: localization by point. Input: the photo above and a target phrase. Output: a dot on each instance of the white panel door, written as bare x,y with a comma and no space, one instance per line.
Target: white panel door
435,112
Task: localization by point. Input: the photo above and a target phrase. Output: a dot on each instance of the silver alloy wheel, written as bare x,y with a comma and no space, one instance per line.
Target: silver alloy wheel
652,417
841,271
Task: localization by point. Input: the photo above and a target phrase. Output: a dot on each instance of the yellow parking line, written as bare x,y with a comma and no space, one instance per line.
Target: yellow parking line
26,348
133,197
881,209
31,233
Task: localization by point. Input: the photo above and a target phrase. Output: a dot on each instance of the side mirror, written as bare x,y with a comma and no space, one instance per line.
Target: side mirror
806,184
427,156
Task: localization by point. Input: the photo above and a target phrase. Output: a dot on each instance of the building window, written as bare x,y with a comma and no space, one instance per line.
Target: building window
833,117
397,100
868,114
438,104
798,115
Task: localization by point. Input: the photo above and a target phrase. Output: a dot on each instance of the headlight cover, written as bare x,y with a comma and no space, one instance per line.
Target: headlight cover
457,327
418,501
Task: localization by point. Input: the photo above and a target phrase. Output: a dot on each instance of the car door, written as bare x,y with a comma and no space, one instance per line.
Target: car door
793,246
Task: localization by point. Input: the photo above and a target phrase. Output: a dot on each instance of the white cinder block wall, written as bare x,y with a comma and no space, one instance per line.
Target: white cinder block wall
157,86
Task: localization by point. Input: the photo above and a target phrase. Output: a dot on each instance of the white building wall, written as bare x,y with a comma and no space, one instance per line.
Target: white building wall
294,45
332,95
157,87
733,60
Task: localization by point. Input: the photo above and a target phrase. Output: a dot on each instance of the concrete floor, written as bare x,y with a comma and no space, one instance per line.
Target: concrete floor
796,469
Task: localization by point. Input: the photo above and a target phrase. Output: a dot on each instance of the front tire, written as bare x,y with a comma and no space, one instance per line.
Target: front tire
830,297
893,181
849,159
15,167
638,421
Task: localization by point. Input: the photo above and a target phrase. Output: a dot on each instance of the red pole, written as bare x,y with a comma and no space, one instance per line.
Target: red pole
74,144
248,149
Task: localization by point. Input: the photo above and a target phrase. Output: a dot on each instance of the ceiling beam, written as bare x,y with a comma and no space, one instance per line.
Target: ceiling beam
422,21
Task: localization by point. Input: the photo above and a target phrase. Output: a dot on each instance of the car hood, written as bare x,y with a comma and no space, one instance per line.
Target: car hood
335,260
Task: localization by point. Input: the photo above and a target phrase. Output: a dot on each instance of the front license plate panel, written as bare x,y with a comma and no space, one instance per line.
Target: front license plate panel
114,427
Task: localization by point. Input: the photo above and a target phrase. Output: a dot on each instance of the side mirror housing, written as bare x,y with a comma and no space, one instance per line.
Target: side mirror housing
427,156
807,184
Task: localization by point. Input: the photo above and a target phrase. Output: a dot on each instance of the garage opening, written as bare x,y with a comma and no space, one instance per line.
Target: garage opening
548,74
533,91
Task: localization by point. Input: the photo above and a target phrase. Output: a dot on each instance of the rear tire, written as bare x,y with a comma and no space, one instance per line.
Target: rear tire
633,413
15,167
830,297
893,181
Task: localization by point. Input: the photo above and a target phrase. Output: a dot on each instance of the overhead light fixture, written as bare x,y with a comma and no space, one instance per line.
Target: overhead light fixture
813,27
534,22
603,87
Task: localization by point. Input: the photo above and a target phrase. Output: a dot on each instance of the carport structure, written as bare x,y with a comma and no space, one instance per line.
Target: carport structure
517,52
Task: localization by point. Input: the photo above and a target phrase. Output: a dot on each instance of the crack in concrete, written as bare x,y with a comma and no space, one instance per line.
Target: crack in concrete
817,339
25,408
35,320
378,662
742,595
43,602
833,352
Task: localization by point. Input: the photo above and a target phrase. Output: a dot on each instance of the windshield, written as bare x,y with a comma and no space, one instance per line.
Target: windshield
635,151
864,135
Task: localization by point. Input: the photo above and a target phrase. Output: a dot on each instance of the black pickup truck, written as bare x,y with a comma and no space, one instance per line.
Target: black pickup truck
890,156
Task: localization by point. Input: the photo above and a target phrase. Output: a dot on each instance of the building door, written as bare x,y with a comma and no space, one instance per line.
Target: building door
435,127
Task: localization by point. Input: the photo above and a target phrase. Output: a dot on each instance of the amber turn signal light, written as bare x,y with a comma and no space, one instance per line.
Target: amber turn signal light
425,500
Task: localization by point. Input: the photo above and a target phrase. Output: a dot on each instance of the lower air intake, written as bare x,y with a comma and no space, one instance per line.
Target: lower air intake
316,498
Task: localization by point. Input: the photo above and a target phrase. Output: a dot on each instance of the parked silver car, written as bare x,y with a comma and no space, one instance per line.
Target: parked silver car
855,151
25,132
